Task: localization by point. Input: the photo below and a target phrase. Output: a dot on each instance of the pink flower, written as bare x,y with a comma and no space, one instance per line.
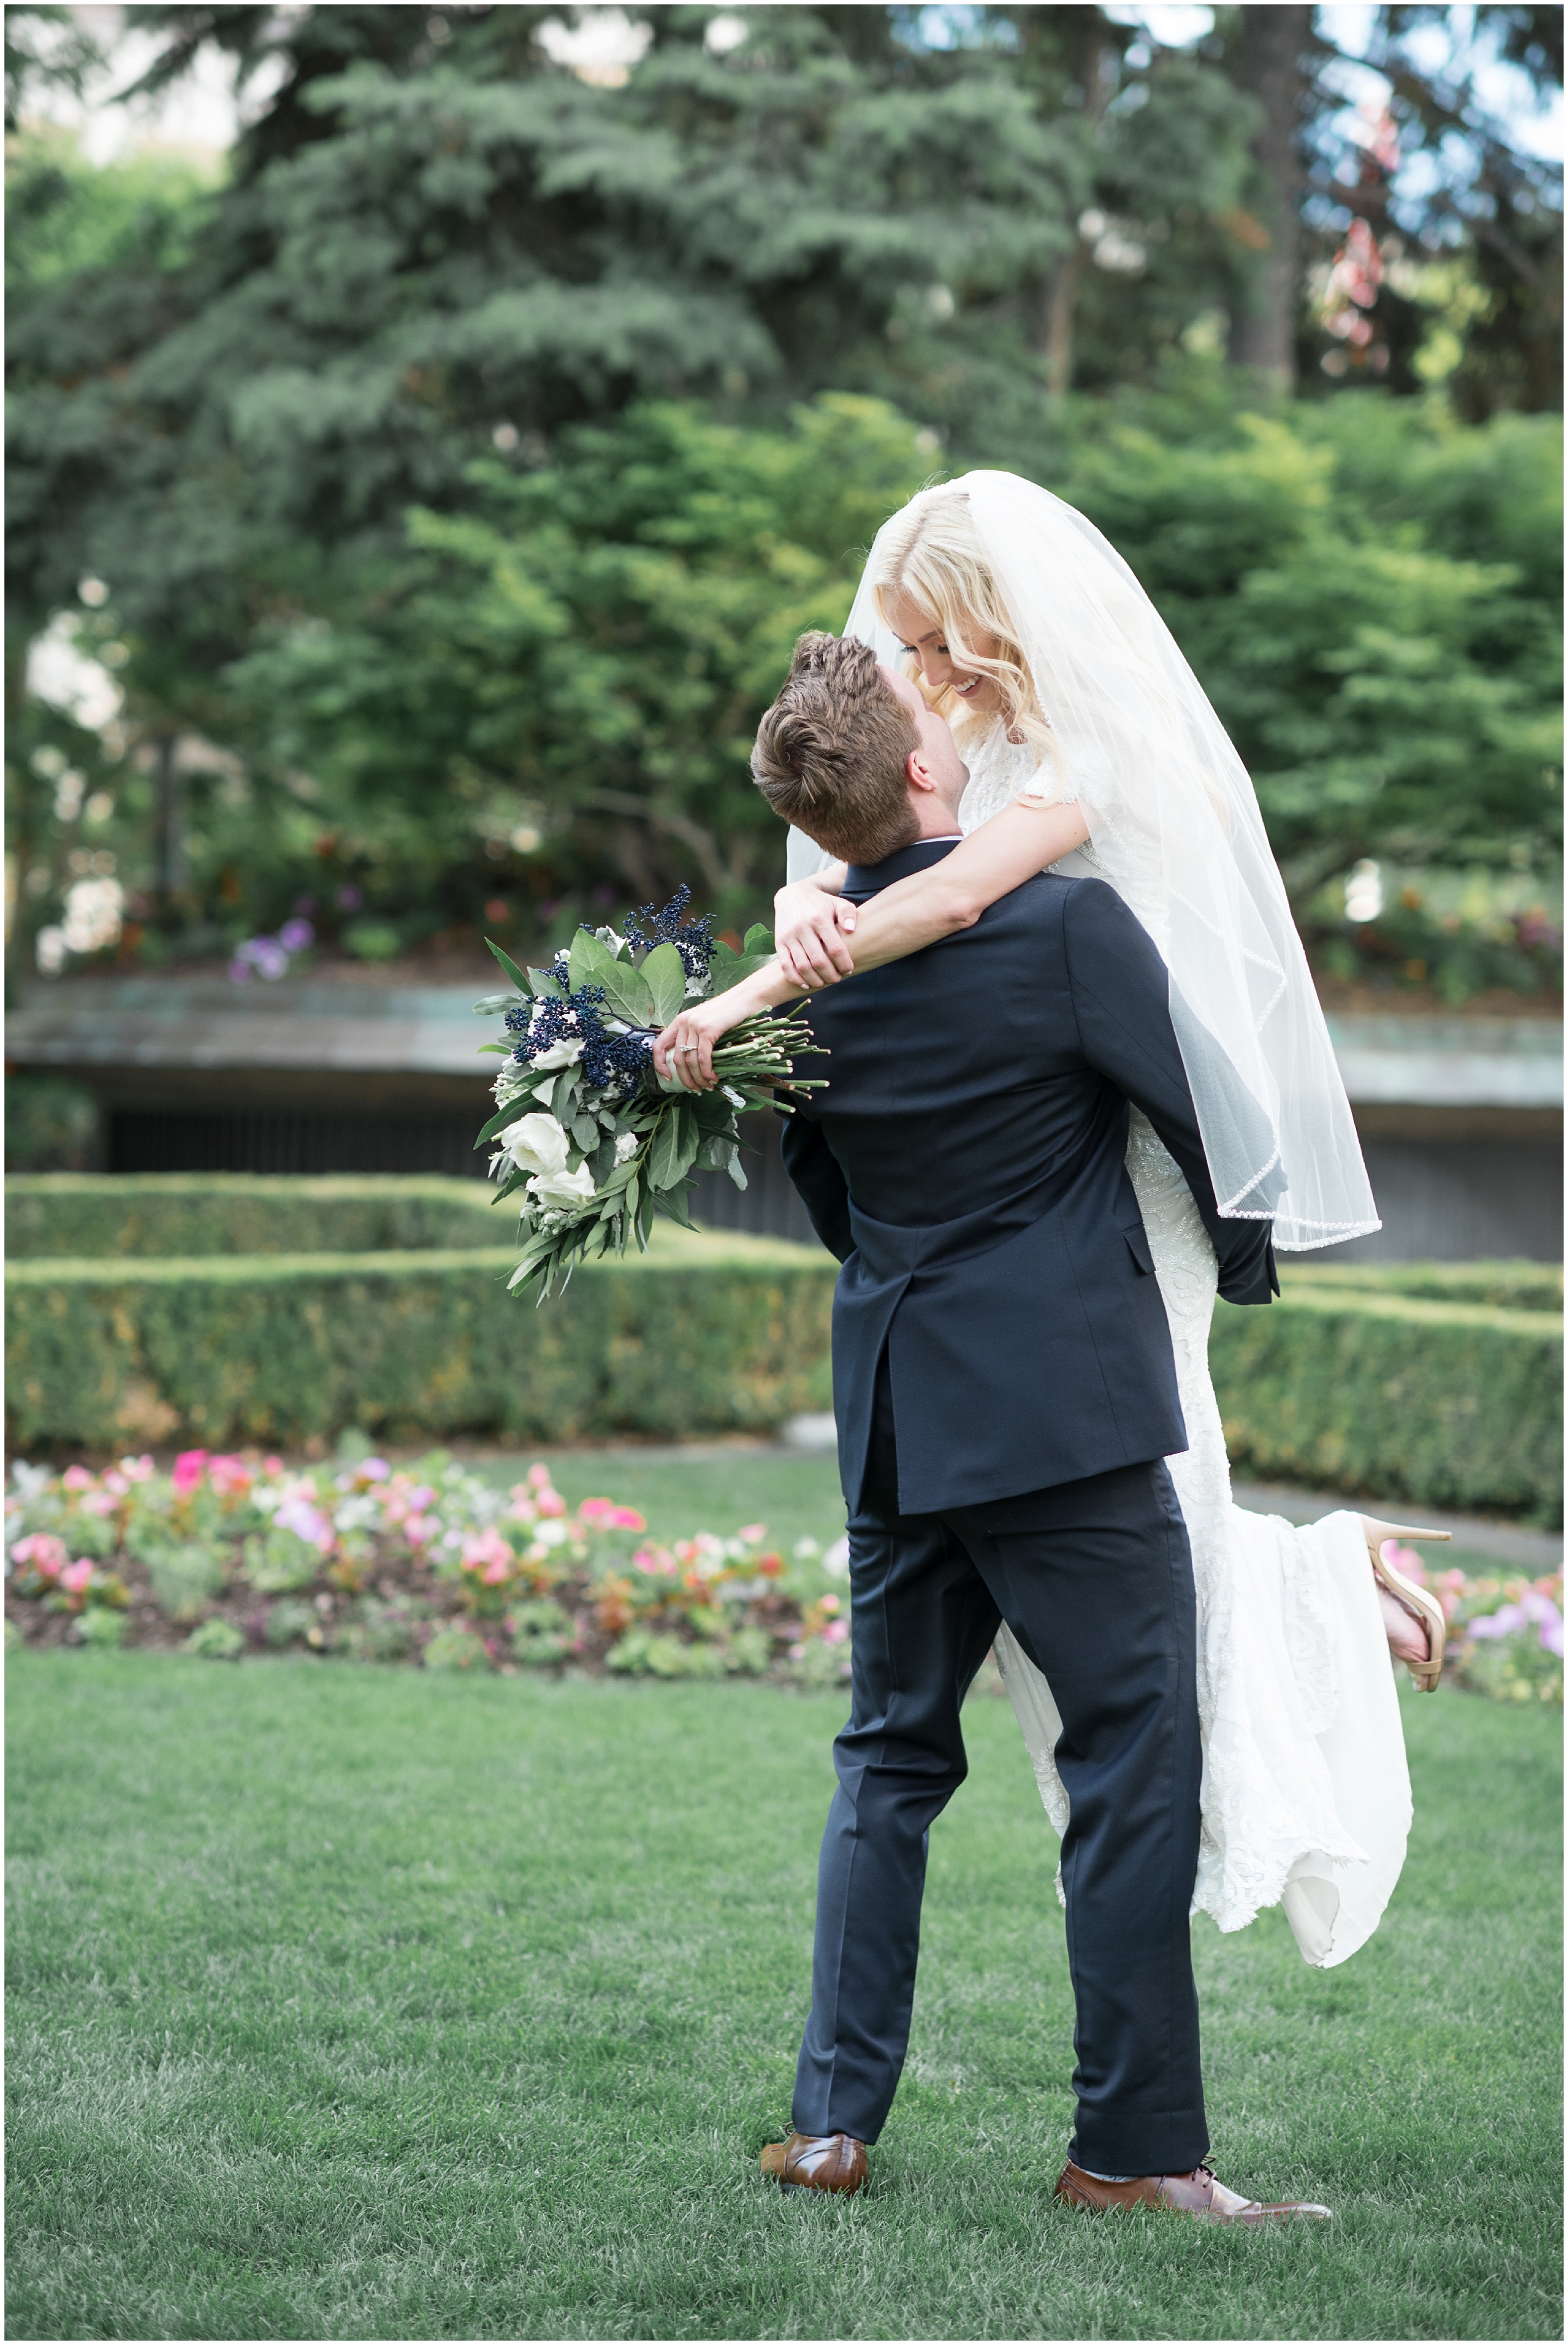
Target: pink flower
836,1633
230,1474
306,1522
655,1559
98,1502
188,1469
595,1511
752,1531
115,1484
488,1553
626,1518
77,1576
417,1528
77,1477
269,1465
1406,1562
45,1553
830,1604
551,1502
136,1470
539,1477
522,1508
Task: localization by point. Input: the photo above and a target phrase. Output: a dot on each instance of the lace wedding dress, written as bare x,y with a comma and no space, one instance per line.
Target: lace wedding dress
1306,1794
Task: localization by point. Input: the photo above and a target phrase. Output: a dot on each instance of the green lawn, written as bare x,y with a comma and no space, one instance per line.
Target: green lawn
797,1497
358,2003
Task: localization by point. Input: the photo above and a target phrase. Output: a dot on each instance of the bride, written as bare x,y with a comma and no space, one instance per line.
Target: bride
1091,748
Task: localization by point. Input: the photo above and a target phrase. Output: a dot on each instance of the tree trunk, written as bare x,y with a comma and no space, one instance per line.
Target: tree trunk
1053,335
168,819
1056,319
1268,66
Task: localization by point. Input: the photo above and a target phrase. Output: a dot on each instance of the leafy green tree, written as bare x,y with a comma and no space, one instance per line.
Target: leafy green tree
1370,595
565,684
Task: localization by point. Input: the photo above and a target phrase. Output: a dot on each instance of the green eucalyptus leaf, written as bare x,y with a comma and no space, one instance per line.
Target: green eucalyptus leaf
497,1124
672,1202
509,966
586,1131
629,993
738,966
545,986
664,974
591,962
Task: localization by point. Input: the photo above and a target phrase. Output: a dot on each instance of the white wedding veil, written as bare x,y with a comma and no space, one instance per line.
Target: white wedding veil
1175,826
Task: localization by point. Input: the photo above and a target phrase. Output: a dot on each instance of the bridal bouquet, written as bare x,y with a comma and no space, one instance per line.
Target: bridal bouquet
593,1138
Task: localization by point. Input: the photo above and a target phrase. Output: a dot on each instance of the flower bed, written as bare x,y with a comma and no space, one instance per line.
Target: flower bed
428,1563
1504,1635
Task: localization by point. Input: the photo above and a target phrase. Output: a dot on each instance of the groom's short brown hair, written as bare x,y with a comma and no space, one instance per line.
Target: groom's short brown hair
830,753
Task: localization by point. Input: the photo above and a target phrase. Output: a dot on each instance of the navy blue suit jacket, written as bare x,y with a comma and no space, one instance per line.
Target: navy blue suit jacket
965,1164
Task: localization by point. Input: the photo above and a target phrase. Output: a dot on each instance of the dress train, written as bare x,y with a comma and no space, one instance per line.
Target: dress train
1306,1797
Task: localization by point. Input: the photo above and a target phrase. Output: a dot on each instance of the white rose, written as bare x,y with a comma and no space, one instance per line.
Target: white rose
560,1054
562,1190
536,1144
626,1145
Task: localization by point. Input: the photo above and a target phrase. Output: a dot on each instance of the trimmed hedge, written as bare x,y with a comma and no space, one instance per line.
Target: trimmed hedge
1433,1404
1503,1286
1426,1384
77,1215
702,1335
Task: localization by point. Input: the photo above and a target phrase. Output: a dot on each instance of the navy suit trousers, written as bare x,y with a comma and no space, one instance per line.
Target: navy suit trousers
1095,1579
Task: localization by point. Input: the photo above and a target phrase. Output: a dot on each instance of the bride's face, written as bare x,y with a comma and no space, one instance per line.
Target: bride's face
939,672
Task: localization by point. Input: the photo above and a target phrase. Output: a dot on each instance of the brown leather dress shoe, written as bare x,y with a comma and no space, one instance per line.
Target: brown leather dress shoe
817,2161
1196,2194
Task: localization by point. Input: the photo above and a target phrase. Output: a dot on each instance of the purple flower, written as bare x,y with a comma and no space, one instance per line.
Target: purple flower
266,956
1499,1624
239,971
293,936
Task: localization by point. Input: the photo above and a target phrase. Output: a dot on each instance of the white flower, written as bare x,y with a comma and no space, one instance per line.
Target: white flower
626,1144
560,1054
562,1190
536,1144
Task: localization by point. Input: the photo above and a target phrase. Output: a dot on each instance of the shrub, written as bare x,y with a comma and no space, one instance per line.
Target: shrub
703,1333
51,1125
86,1215
216,1641
1445,1403
1502,1285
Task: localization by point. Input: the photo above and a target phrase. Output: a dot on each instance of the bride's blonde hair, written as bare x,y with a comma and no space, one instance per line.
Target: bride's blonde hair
931,555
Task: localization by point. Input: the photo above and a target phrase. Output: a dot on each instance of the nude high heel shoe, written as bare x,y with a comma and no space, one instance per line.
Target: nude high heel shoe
1415,1600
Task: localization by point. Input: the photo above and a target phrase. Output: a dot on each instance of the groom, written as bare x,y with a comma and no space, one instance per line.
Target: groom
1007,1396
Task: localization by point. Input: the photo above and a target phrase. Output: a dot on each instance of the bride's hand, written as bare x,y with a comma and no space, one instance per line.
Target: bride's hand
809,930
685,1048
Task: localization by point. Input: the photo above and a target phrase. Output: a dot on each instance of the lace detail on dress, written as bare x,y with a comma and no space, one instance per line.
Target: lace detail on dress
999,771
